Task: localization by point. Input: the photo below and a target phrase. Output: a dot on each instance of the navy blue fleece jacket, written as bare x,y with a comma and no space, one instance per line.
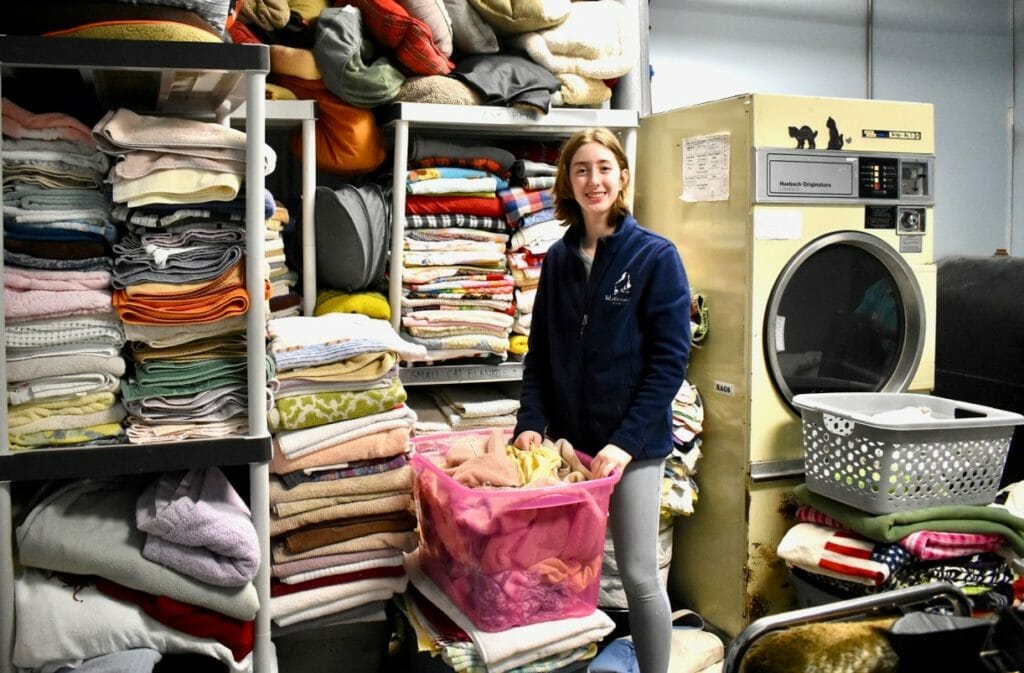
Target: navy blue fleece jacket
608,353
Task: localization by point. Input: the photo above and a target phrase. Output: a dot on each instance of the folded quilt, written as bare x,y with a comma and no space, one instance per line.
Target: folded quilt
20,123
342,530
124,130
61,387
375,542
92,435
143,432
304,411
299,448
65,365
370,334
42,279
104,329
840,554
20,305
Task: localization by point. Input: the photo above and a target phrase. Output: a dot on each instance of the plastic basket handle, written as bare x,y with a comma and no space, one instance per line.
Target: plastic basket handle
552,500
838,425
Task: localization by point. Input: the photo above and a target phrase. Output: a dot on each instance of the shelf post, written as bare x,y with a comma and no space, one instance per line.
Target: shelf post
400,166
259,475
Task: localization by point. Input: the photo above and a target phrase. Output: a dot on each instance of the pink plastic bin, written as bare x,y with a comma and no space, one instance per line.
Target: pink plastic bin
510,557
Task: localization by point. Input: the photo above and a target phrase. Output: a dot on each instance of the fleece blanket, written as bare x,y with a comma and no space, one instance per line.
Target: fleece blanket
197,524
984,519
598,39
60,624
87,527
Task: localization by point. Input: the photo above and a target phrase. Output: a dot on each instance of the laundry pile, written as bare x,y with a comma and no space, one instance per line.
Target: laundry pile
510,551
341,485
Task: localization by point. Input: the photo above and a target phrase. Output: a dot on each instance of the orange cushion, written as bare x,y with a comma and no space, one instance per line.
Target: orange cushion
348,139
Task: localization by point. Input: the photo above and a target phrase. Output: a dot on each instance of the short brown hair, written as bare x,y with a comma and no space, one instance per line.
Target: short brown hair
566,207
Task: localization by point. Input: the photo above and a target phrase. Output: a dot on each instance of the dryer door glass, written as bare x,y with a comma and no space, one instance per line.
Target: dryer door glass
845,315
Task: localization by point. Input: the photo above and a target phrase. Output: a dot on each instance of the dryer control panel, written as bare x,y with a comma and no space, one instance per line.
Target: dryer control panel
817,176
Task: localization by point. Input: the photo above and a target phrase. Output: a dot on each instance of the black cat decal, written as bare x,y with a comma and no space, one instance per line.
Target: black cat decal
835,138
804,134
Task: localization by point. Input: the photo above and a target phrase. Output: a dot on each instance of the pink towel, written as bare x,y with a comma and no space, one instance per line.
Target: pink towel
20,123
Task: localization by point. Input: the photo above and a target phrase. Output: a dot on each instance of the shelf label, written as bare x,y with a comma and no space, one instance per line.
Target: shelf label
461,374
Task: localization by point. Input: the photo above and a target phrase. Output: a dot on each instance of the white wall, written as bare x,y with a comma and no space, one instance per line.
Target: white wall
958,56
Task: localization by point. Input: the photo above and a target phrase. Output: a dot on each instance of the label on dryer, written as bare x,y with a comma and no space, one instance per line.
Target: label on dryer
803,176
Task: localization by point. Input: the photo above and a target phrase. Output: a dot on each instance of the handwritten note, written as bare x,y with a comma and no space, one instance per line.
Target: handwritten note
706,168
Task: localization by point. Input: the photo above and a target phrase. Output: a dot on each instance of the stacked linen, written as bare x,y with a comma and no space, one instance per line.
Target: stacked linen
845,552
529,206
457,291
167,565
471,406
341,486
180,272
444,630
284,299
63,345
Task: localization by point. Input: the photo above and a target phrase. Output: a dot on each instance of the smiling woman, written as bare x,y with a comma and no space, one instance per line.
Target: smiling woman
609,345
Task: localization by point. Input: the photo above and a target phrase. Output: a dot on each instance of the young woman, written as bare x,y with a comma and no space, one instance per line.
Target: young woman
608,349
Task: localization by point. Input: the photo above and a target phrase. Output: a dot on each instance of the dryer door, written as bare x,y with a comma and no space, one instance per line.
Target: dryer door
846,315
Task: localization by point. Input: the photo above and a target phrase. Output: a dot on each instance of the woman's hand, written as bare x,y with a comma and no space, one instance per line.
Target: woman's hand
527,439
608,460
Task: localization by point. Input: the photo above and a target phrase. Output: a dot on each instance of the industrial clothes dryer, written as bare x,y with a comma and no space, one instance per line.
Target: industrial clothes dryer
806,223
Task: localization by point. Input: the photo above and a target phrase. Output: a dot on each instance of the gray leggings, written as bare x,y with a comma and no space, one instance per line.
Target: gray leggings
633,518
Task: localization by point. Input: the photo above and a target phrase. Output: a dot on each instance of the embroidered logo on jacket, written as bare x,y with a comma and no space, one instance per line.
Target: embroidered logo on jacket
620,290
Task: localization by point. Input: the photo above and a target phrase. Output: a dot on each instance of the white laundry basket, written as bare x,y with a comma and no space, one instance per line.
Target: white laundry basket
940,452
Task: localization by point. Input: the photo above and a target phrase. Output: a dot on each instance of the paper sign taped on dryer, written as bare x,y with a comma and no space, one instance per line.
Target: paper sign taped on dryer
705,168
780,225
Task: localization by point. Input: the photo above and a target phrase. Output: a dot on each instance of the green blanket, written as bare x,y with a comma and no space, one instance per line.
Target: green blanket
947,518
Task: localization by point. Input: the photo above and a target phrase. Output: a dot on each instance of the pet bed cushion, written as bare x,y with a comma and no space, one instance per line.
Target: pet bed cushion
597,39
437,89
390,25
348,139
346,60
352,225
269,15
435,15
470,33
510,17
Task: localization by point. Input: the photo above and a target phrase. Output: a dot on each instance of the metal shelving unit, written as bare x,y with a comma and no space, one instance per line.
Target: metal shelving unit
197,80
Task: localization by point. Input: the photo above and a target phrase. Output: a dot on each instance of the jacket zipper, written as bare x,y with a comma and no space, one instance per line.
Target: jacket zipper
583,324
